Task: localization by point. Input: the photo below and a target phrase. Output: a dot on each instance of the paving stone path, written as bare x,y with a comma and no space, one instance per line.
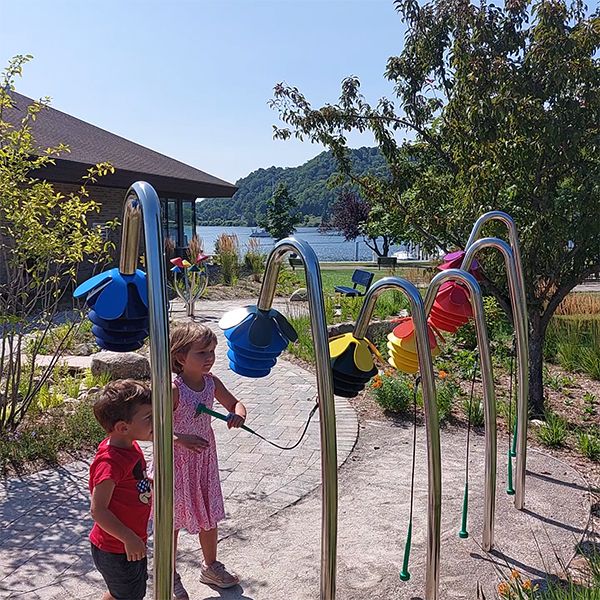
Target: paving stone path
44,518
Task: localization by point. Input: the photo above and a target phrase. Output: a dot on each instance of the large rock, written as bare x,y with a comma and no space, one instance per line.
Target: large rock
375,330
300,295
120,365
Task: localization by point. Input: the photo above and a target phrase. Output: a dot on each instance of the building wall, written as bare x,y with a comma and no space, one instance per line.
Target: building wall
111,207
111,201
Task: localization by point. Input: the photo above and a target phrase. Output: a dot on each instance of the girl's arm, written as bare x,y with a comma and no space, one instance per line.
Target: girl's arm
175,397
187,440
231,403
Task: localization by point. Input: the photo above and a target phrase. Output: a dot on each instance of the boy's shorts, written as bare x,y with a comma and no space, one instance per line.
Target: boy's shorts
125,580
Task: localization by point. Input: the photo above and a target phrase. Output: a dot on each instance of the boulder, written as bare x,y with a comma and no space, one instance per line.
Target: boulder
375,331
300,295
120,365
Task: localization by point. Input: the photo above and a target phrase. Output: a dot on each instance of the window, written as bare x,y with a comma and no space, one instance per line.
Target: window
178,220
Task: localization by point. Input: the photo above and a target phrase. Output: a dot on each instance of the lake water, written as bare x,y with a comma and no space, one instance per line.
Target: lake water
327,247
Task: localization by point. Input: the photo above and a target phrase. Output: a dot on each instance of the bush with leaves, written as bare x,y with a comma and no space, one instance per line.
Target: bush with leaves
227,251
254,259
393,392
44,238
503,100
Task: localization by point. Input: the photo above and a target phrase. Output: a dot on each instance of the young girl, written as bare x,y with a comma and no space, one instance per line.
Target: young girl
198,499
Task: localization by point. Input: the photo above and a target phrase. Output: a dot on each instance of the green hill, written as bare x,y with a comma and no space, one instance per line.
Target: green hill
307,184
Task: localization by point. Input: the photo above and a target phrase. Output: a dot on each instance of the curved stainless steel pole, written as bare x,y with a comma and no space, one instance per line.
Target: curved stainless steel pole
325,390
142,205
489,396
434,465
518,297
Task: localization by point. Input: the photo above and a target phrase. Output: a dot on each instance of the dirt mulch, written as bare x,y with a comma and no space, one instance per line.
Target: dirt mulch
368,410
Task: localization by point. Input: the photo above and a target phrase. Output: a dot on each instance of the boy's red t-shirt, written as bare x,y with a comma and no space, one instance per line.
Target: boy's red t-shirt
132,496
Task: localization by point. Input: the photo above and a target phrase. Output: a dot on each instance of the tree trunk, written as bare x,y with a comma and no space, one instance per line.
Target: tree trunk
536,365
386,245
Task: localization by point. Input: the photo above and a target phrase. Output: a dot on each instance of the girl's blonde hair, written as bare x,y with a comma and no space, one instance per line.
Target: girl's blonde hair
182,338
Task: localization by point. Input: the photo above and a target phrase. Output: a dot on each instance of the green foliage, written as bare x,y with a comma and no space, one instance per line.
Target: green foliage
508,413
288,281
590,362
518,587
254,259
44,237
553,432
489,92
227,256
390,304
341,309
64,337
588,443
500,330
590,403
475,407
304,347
47,398
92,381
574,343
465,362
447,392
308,184
393,392
281,218
568,355
43,441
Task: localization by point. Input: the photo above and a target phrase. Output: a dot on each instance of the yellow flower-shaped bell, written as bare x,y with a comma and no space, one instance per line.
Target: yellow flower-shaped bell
351,363
403,348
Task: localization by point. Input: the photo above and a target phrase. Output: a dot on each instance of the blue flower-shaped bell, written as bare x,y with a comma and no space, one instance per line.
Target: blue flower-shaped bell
119,306
255,339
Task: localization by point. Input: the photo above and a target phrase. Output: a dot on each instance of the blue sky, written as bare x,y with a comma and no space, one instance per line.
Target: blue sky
192,79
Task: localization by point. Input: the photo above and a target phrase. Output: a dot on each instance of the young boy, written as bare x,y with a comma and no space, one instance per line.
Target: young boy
121,492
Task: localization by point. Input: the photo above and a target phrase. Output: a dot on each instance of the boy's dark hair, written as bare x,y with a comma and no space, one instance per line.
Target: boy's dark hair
182,338
119,400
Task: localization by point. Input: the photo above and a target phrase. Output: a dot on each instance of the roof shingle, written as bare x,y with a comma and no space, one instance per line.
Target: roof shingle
89,145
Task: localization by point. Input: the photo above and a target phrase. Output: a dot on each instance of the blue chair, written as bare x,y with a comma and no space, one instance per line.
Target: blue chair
359,277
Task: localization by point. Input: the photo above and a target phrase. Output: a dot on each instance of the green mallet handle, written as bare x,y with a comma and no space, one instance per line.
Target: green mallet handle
217,415
463,533
404,574
510,490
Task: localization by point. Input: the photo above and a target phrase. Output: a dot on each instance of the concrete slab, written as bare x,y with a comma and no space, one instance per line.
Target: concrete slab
279,558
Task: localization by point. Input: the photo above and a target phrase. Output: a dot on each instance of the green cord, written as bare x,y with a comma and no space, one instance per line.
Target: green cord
405,574
463,533
510,490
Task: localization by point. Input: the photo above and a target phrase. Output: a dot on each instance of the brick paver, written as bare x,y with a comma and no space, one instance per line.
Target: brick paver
44,518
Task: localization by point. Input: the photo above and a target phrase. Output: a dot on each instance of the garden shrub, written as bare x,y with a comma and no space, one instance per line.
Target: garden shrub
227,253
393,392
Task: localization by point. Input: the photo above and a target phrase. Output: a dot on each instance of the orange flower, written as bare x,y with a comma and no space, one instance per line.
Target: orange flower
504,590
377,382
442,374
514,574
528,586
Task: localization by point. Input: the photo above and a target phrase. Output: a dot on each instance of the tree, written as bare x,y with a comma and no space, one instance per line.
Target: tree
44,237
355,218
280,219
504,103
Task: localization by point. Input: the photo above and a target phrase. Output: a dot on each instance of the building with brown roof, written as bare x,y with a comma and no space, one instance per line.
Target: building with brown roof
177,184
